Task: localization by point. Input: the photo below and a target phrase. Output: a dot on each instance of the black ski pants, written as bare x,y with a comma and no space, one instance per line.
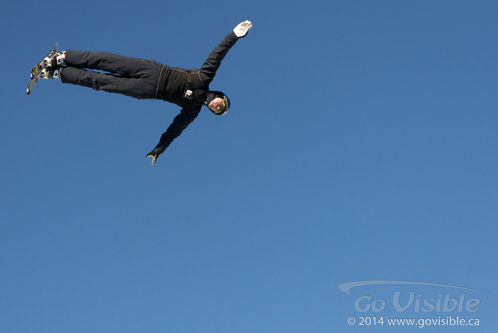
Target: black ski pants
133,77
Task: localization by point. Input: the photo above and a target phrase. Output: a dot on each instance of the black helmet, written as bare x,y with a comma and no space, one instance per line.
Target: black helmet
225,105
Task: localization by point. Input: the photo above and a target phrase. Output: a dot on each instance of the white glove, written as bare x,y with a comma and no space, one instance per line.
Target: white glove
242,29
154,154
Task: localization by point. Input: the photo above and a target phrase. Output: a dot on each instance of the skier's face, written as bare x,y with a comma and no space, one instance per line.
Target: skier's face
216,104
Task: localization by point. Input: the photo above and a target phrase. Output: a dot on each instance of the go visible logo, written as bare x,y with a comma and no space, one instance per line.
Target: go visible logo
415,301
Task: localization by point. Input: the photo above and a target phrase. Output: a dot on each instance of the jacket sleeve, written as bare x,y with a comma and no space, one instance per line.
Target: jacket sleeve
213,62
174,130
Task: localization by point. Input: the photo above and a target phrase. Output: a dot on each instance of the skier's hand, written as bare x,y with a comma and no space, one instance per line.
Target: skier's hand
154,154
242,29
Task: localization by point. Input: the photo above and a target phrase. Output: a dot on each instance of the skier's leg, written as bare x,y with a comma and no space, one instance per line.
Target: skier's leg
134,87
112,63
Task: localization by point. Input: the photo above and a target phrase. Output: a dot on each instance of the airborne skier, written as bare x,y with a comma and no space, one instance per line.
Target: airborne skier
148,79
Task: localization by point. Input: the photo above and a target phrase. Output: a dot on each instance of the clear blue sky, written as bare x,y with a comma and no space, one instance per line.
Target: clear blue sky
361,145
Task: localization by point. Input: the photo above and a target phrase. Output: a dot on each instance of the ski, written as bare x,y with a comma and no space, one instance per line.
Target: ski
37,69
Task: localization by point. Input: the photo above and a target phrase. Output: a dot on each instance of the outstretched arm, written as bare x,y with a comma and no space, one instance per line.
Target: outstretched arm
174,130
213,62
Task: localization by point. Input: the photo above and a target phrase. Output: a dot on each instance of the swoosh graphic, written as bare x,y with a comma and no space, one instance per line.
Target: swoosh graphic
346,287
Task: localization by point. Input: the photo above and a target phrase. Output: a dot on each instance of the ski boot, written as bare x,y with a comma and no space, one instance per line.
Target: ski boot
51,60
56,59
51,73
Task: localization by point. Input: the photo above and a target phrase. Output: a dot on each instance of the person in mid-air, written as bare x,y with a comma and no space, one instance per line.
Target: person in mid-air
148,79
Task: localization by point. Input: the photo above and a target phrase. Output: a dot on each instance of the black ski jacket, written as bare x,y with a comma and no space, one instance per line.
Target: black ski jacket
173,83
